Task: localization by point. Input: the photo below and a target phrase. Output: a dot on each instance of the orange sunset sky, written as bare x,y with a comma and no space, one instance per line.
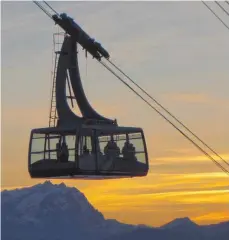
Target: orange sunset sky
178,51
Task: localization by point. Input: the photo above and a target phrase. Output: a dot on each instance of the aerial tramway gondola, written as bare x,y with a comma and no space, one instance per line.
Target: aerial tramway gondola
92,145
87,146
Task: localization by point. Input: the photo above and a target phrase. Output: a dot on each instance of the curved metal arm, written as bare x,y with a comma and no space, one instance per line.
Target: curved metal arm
68,61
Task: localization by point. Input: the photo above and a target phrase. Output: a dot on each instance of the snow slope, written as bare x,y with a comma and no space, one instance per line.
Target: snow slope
53,212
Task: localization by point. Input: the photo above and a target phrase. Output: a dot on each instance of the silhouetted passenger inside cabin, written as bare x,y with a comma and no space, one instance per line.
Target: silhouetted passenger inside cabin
132,152
64,153
85,150
106,148
125,150
111,149
128,151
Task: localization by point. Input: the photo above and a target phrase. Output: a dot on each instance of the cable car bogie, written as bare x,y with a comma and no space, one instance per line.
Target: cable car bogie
76,32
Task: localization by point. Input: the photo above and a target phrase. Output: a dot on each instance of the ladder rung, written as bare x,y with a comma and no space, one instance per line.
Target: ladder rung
53,111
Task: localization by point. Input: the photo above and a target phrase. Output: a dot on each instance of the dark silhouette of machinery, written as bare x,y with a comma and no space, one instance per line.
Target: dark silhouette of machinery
87,146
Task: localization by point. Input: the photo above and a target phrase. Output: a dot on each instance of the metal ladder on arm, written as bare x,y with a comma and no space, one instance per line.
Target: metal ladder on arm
58,39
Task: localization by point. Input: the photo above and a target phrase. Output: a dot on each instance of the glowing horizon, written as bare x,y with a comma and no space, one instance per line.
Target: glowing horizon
132,204
174,50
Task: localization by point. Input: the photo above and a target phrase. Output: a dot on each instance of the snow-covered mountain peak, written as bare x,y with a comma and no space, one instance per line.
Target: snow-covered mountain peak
180,223
49,200
56,211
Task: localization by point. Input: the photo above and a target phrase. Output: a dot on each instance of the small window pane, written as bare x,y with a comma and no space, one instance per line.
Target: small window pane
38,143
36,157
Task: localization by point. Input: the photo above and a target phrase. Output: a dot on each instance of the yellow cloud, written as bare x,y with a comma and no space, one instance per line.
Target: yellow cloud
192,158
213,217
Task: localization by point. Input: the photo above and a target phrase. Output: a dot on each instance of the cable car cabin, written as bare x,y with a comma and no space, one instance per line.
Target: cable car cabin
97,151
